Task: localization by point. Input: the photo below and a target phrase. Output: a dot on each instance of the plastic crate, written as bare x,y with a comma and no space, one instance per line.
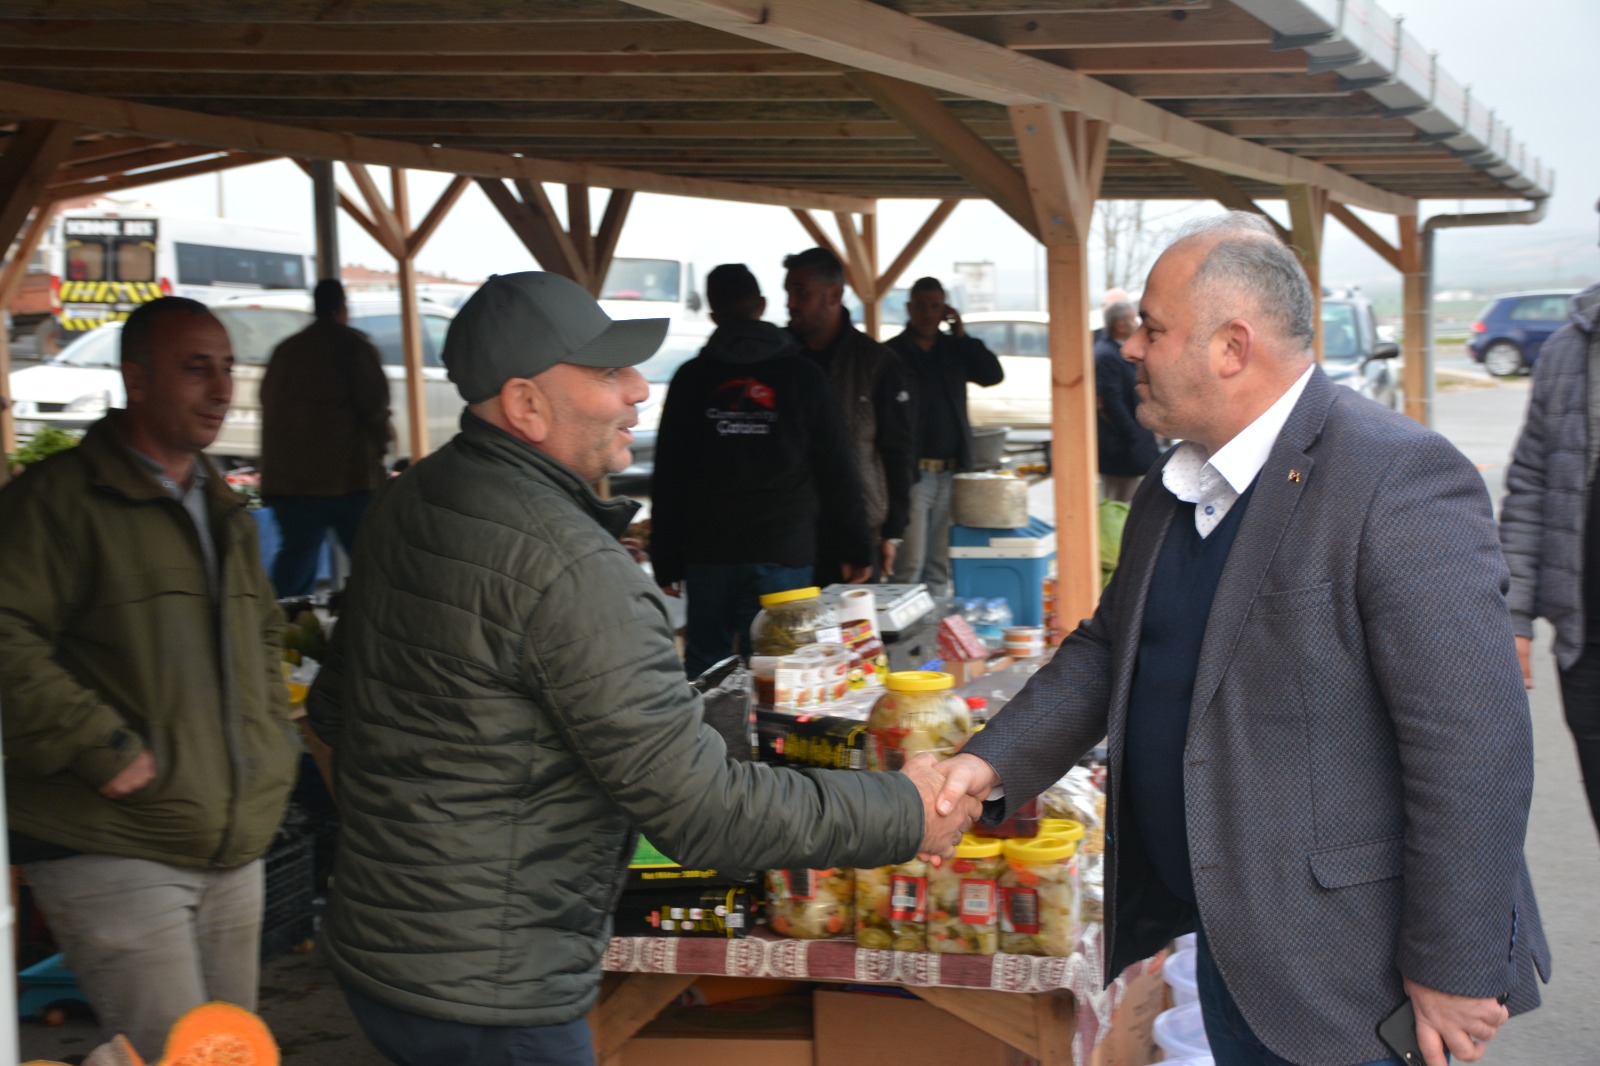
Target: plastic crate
289,916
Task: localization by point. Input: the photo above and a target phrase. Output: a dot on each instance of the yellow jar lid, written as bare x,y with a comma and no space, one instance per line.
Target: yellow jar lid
1065,828
1040,849
972,847
771,599
919,681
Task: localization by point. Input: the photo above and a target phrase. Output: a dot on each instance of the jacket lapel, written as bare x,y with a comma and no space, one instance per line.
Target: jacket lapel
1271,507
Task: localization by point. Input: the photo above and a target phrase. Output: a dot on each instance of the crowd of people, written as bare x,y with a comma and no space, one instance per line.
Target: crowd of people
1306,768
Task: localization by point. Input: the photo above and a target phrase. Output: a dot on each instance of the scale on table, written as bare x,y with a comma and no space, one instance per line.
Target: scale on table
899,606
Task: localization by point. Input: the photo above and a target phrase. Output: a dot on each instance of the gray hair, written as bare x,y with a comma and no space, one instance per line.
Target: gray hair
1248,263
1120,311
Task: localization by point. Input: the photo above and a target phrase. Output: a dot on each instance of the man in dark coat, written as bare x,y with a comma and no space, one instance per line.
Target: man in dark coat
1127,449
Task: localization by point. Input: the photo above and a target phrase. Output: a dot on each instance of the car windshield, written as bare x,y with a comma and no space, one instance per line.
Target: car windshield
641,279
255,331
673,353
101,349
1339,337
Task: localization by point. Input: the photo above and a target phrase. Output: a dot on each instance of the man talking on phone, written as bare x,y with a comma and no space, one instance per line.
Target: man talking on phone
939,363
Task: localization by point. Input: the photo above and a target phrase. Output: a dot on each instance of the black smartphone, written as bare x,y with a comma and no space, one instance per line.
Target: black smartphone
1399,1034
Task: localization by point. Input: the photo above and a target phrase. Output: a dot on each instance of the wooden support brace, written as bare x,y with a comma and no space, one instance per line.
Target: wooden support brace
10,279
388,230
410,317
948,137
605,238
579,226
31,158
914,246
1365,233
441,207
214,165
1221,188
862,278
564,252
1414,301
351,208
1308,209
628,1005
520,218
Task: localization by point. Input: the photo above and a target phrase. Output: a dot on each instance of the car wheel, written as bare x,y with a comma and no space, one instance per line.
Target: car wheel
1502,359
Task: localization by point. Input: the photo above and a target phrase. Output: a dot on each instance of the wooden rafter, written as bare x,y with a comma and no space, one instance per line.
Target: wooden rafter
390,233
213,165
355,211
815,231
1226,191
605,238
1367,235
441,207
29,161
918,241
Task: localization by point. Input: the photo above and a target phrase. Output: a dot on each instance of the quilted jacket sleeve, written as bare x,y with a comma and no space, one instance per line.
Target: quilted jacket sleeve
599,659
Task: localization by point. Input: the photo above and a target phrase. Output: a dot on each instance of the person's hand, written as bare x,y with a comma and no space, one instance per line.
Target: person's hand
674,590
966,779
137,774
952,318
943,823
886,553
1525,658
1460,1025
855,575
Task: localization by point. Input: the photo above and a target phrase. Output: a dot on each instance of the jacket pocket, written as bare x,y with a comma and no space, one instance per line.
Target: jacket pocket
1294,600
1359,864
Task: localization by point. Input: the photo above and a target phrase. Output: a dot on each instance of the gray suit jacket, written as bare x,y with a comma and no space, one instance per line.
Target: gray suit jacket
1359,760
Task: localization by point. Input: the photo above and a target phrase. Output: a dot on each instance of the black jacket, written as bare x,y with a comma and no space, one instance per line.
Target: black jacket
1127,449
752,459
940,376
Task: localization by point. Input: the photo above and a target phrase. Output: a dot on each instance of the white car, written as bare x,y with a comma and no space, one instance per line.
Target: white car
76,387
1022,341
675,350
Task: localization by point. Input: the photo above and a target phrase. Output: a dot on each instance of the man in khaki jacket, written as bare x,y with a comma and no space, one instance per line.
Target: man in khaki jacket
324,429
148,753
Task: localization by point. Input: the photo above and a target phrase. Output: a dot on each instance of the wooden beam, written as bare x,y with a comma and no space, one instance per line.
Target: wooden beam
946,137
1221,188
351,208
579,227
862,277
410,316
392,234
866,36
441,207
1308,209
1186,86
1414,323
570,263
536,231
919,240
68,174
605,238
30,159
1171,59
109,147
1204,28
10,280
120,116
820,236
1365,233
214,165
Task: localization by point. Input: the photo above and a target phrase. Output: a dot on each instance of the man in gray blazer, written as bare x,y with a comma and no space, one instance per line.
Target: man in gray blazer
1320,751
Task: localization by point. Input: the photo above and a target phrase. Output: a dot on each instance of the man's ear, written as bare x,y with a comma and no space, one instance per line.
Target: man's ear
135,381
1234,347
526,409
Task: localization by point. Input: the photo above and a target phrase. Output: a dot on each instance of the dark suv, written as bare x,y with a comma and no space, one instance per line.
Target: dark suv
1352,353
1507,336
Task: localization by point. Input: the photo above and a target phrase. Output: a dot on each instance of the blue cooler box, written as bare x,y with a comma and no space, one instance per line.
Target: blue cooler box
1007,563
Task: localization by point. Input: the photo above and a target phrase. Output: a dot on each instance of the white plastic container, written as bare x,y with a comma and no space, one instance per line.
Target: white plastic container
1181,1032
1179,975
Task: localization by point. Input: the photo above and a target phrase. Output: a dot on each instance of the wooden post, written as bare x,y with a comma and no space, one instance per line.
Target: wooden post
10,280
325,208
1063,158
1308,207
1414,324
410,320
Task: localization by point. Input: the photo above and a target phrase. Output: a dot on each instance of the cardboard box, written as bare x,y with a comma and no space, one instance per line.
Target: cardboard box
890,1031
770,1030
1132,1041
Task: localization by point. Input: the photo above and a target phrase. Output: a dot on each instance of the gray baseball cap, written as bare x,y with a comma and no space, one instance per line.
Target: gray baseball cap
519,325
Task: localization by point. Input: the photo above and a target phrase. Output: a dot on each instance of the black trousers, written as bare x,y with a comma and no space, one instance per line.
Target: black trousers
413,1040
1580,698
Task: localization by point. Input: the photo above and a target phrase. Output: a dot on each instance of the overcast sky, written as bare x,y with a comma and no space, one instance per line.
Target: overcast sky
1534,62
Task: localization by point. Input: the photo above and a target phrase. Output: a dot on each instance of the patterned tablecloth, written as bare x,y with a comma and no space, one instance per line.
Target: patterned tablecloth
764,954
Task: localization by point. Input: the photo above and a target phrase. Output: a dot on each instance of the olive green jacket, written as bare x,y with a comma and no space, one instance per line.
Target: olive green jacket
505,705
111,643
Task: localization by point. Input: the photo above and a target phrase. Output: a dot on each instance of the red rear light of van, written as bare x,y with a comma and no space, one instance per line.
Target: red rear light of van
1479,327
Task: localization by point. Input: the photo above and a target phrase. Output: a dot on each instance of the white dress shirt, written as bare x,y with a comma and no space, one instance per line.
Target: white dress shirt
1214,484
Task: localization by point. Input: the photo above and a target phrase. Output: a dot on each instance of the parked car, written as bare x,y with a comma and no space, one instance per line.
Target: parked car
76,387
1022,341
676,350
1508,333
1354,354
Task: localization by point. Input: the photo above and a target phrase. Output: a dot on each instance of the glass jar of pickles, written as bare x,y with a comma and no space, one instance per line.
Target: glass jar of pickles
1039,897
791,619
892,907
919,712
963,899
811,904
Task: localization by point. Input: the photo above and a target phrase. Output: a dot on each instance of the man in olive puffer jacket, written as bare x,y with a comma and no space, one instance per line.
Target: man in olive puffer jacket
506,707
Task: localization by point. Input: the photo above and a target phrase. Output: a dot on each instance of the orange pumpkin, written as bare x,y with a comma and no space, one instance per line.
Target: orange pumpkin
217,1034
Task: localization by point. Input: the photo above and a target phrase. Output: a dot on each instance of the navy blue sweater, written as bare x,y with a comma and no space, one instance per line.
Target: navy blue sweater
1179,605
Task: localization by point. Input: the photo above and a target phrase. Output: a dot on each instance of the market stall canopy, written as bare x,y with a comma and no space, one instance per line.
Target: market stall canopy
763,101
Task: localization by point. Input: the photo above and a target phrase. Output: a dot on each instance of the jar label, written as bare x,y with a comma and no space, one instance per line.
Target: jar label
796,884
886,755
1019,910
908,898
828,635
977,902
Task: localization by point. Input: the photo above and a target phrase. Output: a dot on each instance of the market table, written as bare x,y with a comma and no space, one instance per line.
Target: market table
1053,1009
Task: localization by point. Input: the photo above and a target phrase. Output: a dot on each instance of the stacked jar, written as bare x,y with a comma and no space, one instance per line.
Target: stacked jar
919,712
792,619
891,907
1039,897
963,897
811,904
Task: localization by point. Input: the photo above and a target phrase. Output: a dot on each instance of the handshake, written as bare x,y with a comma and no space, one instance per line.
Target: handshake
953,792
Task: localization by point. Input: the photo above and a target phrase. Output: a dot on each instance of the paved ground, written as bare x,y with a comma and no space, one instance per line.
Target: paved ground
303,1007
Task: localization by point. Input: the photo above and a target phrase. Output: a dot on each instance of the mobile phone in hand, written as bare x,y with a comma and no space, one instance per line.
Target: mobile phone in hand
1399,1034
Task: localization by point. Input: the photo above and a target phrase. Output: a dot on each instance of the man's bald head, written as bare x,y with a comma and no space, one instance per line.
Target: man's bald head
1246,272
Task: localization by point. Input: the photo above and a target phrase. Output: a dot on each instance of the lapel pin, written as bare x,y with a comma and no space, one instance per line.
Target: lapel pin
1294,476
